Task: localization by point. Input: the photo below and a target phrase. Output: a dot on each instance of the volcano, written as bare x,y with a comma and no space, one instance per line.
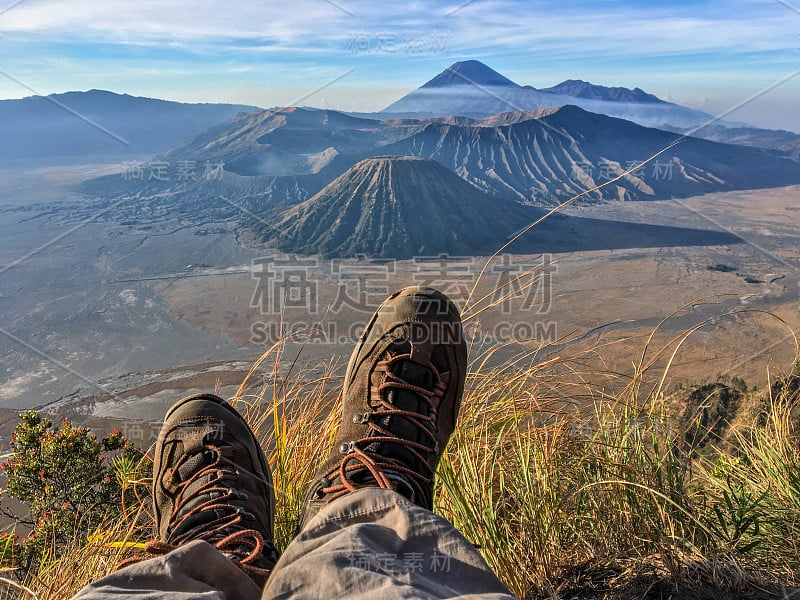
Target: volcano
403,207
398,207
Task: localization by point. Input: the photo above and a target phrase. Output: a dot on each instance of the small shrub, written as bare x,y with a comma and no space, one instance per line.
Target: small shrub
68,479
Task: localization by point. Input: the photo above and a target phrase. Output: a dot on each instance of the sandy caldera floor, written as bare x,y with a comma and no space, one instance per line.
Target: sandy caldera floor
600,305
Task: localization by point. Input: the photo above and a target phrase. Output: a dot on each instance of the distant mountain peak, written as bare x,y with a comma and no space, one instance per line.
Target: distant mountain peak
577,88
469,72
473,90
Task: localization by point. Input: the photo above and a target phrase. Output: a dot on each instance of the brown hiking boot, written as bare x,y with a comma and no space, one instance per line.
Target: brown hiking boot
401,396
212,482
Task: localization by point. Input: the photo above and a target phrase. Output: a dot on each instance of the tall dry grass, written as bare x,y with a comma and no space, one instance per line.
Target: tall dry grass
550,473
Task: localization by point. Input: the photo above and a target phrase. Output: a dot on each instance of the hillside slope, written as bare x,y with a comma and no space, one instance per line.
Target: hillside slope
397,207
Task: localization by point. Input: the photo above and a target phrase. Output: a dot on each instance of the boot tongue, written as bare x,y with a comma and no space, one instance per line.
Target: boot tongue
185,472
420,376
193,464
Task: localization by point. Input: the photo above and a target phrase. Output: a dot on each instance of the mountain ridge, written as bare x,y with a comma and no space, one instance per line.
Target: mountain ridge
100,126
453,95
402,207
578,88
282,157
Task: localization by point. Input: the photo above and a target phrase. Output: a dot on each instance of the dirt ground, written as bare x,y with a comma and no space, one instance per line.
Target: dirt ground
740,302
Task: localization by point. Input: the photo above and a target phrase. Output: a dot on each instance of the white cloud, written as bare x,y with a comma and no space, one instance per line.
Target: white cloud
170,19
291,48
510,24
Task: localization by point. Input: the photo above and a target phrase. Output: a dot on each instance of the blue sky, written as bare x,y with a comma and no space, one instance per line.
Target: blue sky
709,55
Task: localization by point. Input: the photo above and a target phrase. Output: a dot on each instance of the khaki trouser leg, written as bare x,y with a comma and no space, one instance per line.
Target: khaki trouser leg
376,544
366,545
192,572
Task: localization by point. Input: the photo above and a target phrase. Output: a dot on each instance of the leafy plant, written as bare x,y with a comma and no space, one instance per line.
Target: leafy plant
71,482
737,515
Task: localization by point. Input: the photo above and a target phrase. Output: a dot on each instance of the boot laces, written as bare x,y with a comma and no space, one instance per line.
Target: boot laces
226,532
363,457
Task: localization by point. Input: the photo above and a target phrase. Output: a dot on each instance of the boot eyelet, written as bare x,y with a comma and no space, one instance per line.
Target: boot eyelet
347,447
238,495
246,515
323,483
361,418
